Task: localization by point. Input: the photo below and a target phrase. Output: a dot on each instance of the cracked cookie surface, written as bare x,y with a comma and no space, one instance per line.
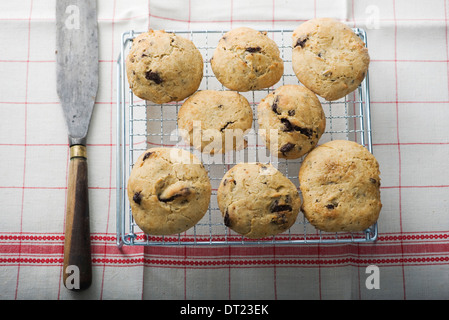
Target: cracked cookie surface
292,120
340,185
215,121
256,200
169,191
162,67
246,59
329,58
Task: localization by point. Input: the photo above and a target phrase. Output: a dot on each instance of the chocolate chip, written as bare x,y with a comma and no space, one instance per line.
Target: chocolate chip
226,125
284,207
280,219
184,192
287,147
276,207
146,156
288,127
301,42
225,182
372,180
227,220
274,106
330,206
153,76
305,131
253,49
291,112
137,198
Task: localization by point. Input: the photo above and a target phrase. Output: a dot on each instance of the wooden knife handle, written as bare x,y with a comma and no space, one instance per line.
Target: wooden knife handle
77,272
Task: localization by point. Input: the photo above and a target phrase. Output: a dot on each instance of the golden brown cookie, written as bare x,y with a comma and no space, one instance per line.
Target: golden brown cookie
340,185
329,58
246,59
257,200
215,121
292,121
163,67
168,190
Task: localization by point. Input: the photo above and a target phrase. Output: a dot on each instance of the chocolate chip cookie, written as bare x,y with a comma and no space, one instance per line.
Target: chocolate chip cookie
291,121
215,121
257,200
340,185
168,190
329,58
162,67
246,59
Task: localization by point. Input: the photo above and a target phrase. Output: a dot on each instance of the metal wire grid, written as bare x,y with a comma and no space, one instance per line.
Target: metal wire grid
142,124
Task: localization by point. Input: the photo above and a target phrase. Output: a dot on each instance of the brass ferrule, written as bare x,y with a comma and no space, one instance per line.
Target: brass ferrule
78,151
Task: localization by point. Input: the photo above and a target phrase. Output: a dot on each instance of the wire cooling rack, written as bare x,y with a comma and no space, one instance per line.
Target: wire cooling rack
141,125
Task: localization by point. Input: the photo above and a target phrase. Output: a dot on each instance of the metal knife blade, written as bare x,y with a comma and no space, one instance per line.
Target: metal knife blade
77,85
77,64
